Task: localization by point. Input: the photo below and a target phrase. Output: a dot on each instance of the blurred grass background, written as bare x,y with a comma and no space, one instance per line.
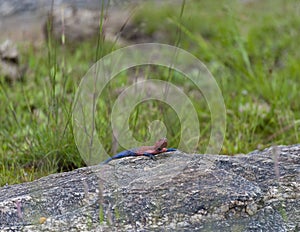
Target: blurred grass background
251,48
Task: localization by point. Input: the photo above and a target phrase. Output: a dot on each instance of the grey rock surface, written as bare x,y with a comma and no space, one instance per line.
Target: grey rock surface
177,192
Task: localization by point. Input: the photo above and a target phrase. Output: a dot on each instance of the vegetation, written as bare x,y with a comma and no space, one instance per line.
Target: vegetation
251,48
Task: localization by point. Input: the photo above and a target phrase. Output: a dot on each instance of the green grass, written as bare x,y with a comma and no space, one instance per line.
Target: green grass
252,50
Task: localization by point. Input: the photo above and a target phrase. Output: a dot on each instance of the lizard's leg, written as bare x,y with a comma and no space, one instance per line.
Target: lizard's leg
151,156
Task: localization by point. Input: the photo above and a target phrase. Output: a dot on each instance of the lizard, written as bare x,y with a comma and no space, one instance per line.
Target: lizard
159,147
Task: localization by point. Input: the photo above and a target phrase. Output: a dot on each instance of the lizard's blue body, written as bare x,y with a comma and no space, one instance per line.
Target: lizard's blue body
128,153
149,151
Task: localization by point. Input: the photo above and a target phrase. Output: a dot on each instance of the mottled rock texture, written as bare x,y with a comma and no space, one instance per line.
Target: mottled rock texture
177,192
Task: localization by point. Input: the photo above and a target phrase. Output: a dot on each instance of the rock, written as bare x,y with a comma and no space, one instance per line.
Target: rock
24,20
9,51
76,24
9,61
177,192
83,24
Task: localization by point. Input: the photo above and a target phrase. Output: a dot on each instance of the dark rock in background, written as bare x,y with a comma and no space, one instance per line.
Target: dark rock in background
177,192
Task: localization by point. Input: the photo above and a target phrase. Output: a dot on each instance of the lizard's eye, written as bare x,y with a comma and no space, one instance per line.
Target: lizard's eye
159,149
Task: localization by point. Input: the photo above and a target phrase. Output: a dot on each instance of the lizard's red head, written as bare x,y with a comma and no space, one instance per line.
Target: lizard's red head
161,145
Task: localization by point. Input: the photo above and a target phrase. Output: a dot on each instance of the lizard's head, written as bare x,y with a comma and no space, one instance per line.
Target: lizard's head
161,145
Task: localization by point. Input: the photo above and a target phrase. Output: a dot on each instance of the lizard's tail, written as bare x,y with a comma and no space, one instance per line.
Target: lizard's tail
106,161
171,149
